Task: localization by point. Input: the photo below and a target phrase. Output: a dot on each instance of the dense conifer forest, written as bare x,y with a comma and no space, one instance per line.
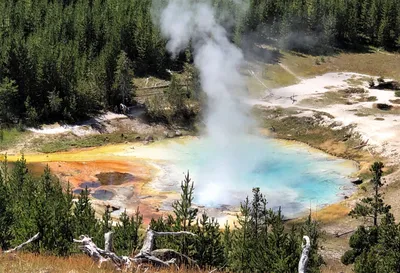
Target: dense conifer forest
65,60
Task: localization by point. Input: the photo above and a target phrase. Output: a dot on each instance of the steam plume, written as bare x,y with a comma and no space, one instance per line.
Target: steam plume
219,61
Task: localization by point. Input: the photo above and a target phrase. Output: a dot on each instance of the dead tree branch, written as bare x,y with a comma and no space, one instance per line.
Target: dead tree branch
147,254
99,255
34,238
304,255
148,243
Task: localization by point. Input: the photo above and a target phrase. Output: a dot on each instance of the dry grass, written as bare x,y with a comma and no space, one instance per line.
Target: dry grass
356,81
305,66
376,64
271,76
328,98
362,112
28,263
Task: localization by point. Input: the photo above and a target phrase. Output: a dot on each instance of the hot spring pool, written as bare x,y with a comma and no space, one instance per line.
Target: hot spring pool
290,175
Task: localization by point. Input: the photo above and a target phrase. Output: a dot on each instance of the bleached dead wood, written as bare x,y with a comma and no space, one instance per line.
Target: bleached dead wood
108,241
34,238
304,254
99,255
151,235
147,254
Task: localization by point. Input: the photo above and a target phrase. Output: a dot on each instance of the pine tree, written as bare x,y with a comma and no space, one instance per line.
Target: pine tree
372,207
105,225
8,101
312,230
84,215
240,257
6,216
184,214
23,189
123,80
209,247
227,241
369,243
126,238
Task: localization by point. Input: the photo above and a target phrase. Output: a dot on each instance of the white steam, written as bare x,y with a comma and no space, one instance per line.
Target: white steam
227,121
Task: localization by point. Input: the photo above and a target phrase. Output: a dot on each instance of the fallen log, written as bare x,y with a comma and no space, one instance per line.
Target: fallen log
99,255
304,254
15,249
147,254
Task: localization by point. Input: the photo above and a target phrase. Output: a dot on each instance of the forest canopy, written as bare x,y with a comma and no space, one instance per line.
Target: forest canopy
65,60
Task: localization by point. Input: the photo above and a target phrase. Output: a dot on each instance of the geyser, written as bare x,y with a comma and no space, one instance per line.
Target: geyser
218,60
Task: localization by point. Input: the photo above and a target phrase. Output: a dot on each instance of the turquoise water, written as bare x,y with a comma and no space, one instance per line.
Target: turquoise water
292,176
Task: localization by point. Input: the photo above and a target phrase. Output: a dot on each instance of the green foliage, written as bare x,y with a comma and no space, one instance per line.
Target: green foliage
105,225
374,248
126,236
311,228
8,101
84,215
122,80
210,249
397,94
6,216
260,242
180,101
272,248
372,207
185,215
348,257
69,59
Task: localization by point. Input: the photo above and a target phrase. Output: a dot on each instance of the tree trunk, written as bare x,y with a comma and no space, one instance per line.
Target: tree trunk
108,241
304,255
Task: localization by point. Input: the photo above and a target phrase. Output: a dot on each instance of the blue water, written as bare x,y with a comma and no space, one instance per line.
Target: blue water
292,176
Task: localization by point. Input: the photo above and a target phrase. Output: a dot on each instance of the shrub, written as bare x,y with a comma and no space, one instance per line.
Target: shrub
384,106
371,82
348,257
397,94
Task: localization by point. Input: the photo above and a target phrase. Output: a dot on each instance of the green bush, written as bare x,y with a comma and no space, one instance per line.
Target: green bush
348,257
397,94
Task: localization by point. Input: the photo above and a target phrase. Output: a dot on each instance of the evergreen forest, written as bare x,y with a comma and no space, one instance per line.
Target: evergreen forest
66,60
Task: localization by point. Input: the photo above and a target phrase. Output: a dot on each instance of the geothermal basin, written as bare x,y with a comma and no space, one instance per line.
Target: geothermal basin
291,175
